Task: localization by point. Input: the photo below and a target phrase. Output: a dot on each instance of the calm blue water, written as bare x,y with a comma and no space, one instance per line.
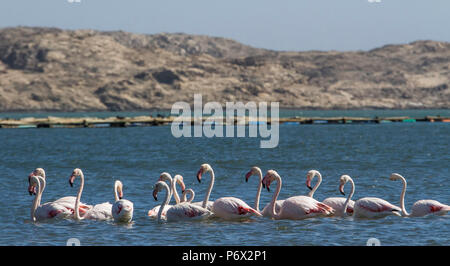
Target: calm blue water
369,153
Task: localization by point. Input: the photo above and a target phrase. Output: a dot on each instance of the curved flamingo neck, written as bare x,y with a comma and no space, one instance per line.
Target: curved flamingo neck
191,195
42,183
211,184
258,192
77,201
349,196
36,199
275,197
402,197
166,201
174,189
319,180
116,194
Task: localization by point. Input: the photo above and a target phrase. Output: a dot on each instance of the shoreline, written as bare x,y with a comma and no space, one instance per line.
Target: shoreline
143,121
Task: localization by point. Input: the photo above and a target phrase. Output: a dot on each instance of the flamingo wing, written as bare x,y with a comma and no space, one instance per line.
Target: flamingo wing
301,207
424,207
231,208
187,211
100,212
337,203
371,207
52,210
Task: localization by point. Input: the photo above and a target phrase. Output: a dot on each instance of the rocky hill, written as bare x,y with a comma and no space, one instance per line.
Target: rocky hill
63,70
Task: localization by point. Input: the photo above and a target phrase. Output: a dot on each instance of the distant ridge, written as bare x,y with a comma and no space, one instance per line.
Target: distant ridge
49,69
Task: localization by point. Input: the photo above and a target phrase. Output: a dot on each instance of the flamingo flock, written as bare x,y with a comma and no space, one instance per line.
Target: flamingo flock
297,207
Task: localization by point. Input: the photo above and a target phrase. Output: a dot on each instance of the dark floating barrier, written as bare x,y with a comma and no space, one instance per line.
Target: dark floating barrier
142,121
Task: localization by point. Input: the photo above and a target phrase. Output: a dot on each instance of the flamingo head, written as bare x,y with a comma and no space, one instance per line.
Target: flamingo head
395,176
164,176
33,182
158,187
119,186
270,176
344,179
203,168
253,171
76,172
36,172
309,177
179,180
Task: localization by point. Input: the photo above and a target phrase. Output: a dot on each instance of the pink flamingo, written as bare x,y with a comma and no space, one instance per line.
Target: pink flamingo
178,179
420,207
122,209
99,211
337,203
48,210
226,207
181,211
343,206
68,201
255,170
371,207
297,207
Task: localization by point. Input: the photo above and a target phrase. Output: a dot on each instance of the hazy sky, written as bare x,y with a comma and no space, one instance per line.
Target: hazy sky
281,25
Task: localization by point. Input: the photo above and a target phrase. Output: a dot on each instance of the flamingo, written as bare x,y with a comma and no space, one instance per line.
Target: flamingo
226,207
68,201
343,206
372,207
48,210
336,203
297,207
97,212
122,209
180,211
255,170
206,203
178,179
420,207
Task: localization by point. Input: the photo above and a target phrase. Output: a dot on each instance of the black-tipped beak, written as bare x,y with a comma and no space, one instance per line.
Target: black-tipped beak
342,192
310,188
199,175
264,186
70,183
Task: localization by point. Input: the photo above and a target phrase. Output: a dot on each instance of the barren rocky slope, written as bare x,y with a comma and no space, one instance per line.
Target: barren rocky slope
53,69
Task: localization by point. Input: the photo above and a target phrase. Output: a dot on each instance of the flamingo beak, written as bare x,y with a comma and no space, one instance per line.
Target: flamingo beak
266,183
71,180
341,189
199,175
155,195
247,176
183,187
31,190
120,195
308,184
